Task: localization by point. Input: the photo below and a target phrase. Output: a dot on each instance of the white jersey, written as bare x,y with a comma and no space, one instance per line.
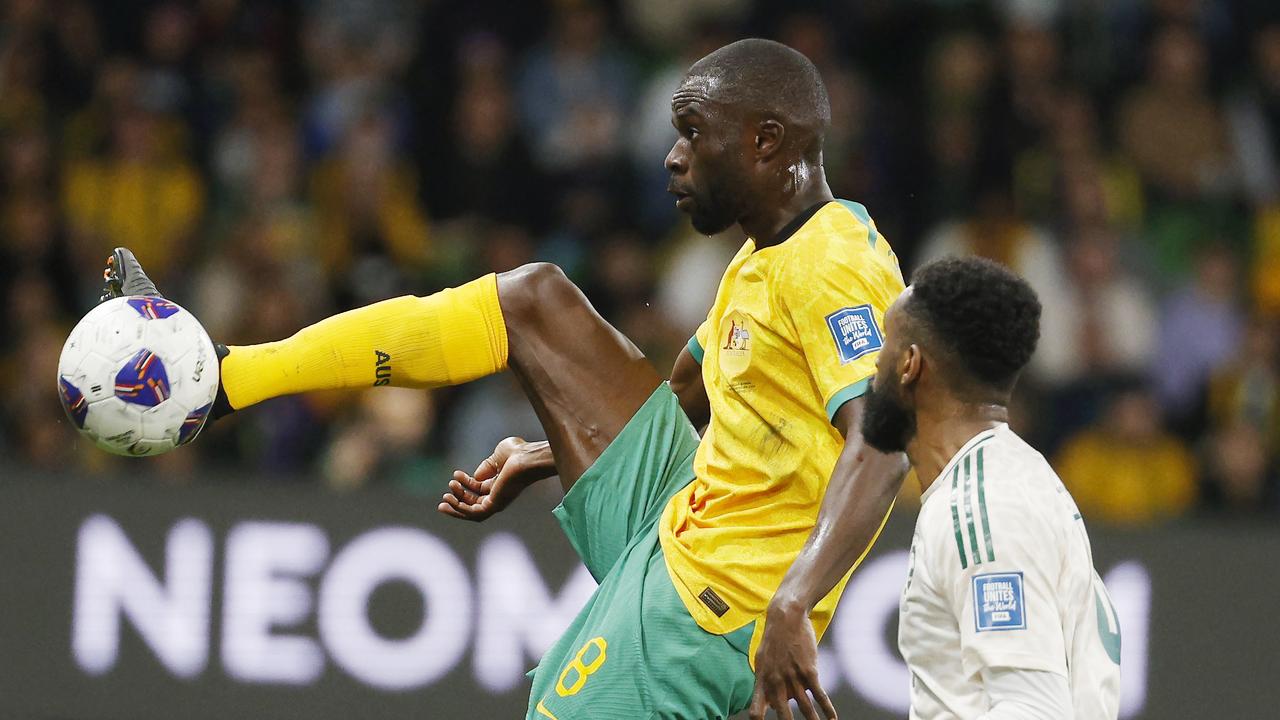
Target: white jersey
1001,576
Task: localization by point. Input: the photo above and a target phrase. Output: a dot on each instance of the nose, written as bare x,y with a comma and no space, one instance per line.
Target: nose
676,163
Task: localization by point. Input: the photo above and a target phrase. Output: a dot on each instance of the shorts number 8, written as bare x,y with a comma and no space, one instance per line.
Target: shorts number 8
582,670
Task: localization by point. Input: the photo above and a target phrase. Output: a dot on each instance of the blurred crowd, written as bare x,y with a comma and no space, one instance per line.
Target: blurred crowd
274,162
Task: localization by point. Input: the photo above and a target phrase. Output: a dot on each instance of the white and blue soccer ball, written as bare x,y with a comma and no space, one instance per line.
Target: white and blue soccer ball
138,376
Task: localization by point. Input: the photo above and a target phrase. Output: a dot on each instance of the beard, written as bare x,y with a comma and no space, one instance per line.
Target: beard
887,423
716,209
708,222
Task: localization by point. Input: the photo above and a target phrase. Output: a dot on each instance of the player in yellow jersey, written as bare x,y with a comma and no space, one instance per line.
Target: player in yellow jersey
711,552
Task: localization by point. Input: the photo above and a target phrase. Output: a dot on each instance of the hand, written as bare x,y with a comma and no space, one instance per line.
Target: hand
787,666
500,478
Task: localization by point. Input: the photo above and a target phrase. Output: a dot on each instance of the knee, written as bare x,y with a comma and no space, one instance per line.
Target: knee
536,288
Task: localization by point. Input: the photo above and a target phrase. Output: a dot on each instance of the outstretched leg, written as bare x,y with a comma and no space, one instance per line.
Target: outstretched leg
583,377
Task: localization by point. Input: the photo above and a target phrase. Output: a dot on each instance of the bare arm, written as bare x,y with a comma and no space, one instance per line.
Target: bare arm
862,488
686,383
515,464
863,485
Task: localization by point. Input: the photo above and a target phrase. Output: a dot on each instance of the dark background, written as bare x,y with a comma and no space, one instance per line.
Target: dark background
275,162
1210,631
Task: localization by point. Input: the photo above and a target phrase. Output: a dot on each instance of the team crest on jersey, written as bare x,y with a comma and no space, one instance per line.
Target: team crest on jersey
735,343
855,332
739,337
998,602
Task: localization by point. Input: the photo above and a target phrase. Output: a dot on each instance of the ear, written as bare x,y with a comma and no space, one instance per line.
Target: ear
911,366
769,136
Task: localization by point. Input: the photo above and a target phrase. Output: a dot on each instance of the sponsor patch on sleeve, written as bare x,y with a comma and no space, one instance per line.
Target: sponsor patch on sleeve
855,332
998,602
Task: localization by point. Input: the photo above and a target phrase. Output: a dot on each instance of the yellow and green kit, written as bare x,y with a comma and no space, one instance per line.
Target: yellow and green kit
690,537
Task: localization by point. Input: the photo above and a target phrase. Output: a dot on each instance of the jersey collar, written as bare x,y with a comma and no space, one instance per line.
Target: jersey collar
792,227
964,450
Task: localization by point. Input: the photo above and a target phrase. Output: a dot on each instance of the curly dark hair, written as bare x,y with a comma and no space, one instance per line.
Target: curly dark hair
983,312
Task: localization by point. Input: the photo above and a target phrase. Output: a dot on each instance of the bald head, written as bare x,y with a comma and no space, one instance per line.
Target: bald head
750,120
766,79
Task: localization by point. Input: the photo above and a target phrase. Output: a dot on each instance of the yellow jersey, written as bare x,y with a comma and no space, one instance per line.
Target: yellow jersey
793,335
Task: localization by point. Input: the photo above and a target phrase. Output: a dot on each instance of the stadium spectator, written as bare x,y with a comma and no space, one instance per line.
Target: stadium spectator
687,287
168,80
1240,475
1184,359
958,82
385,443
1254,116
1071,179
1173,109
1104,323
668,24
575,90
1247,391
73,49
487,170
291,160
1026,103
145,193
1126,469
373,234
35,430
845,150
1266,261
26,160
1244,416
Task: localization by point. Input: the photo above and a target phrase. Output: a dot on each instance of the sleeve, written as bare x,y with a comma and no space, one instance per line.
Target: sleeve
837,311
1000,574
1026,695
701,338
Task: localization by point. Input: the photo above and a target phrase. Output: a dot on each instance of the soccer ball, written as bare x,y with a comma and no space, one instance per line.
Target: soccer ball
138,376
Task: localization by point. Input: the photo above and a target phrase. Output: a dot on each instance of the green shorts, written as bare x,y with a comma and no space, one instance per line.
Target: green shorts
634,652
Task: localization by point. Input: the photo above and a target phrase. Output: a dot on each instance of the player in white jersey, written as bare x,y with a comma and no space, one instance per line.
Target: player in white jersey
1003,615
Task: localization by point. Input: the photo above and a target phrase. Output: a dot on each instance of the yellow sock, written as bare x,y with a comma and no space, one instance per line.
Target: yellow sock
451,337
